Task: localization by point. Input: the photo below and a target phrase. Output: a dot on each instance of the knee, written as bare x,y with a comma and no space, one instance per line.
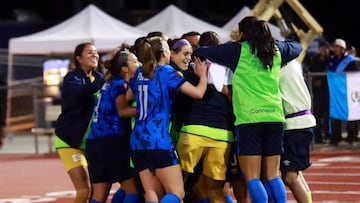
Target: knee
215,189
216,195
82,195
290,178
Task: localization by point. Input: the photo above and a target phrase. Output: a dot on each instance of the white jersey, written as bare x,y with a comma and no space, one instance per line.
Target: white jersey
219,75
295,97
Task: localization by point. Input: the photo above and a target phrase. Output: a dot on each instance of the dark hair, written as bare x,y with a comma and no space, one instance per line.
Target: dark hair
125,46
324,43
136,48
154,34
78,51
257,34
209,38
115,64
157,34
151,53
189,34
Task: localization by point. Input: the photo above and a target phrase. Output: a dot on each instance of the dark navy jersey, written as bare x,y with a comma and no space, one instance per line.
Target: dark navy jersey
213,110
154,99
78,101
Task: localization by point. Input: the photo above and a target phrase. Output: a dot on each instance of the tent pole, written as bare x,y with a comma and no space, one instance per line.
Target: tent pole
9,87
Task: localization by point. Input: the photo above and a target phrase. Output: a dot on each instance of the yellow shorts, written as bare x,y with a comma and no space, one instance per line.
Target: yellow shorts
215,154
72,157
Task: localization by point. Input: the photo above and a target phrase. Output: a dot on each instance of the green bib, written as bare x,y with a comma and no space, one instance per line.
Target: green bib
256,93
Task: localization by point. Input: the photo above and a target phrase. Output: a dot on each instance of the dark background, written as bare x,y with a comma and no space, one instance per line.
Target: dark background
339,19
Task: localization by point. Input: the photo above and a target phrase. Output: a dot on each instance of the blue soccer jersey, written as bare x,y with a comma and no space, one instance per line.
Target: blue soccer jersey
153,108
106,120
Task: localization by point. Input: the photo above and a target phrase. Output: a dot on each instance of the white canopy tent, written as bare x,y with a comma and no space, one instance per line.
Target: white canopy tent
89,25
232,24
174,22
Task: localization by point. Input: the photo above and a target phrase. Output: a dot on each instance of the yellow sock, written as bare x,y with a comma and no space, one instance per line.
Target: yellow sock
309,197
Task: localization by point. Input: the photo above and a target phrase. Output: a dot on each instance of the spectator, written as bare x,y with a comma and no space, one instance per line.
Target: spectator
78,93
317,63
341,61
351,50
256,99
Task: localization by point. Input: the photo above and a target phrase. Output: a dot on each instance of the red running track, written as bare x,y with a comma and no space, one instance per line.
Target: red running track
334,177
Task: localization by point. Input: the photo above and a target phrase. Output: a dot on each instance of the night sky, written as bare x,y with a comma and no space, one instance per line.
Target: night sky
339,19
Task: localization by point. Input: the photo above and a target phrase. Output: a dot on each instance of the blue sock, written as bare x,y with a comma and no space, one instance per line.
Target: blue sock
170,198
93,201
229,199
118,196
269,191
278,189
133,198
257,191
206,200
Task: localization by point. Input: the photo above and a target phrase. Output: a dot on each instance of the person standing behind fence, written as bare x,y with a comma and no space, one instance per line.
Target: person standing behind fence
317,63
298,130
341,61
78,92
107,145
154,86
259,117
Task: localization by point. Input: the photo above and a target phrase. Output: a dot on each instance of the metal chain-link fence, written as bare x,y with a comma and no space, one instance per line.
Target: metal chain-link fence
26,104
17,107
20,106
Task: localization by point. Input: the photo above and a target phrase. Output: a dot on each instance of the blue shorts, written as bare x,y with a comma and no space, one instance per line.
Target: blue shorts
108,159
296,156
262,139
153,159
